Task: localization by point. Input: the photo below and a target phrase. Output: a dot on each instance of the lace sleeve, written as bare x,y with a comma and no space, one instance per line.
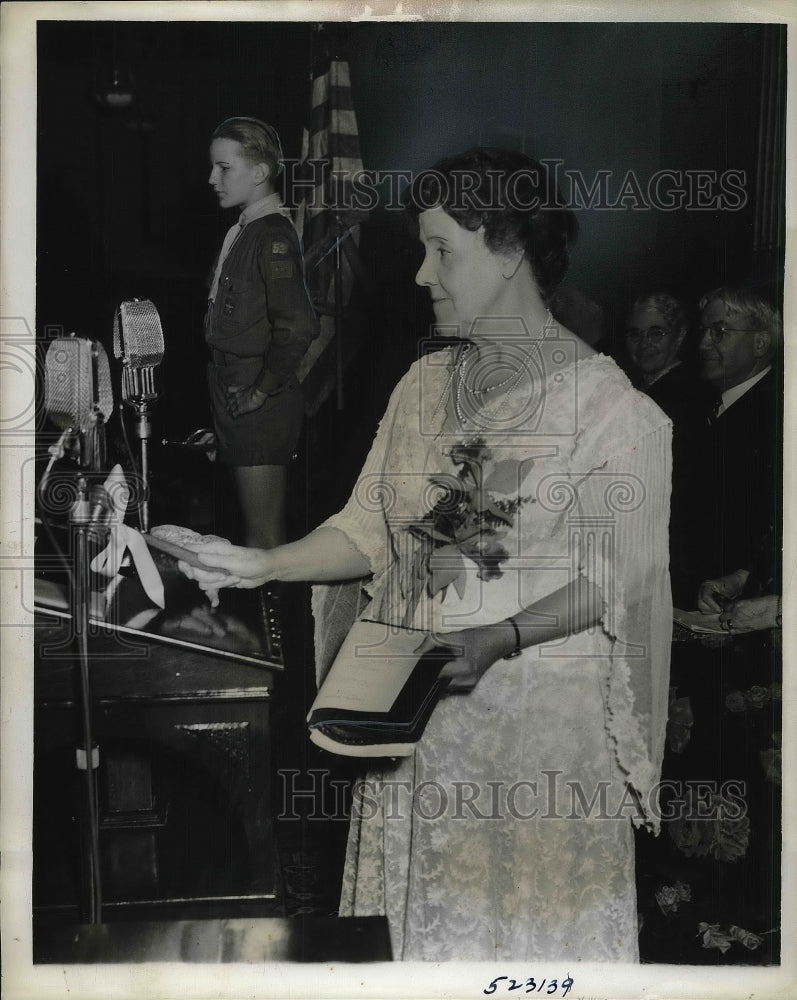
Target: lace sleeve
362,520
622,547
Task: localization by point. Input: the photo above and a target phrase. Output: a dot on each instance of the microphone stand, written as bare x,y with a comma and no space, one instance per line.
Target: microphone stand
85,531
143,433
138,392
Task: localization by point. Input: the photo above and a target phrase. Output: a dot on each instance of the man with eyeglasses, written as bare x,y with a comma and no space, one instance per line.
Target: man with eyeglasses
733,685
740,339
725,720
740,334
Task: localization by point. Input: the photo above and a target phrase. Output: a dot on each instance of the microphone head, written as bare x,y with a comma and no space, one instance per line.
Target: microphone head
103,386
137,335
77,383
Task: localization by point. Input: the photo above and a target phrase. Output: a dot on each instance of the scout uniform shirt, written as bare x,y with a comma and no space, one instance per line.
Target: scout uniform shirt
259,308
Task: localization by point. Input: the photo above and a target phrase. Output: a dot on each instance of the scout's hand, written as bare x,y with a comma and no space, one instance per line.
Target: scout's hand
244,399
203,440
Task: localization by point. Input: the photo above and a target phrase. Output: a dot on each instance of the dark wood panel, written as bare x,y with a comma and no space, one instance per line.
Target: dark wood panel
130,668
184,775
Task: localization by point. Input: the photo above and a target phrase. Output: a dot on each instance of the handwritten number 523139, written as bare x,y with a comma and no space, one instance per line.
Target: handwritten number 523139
530,985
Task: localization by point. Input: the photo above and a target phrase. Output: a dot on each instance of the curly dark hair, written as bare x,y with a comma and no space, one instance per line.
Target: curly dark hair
510,195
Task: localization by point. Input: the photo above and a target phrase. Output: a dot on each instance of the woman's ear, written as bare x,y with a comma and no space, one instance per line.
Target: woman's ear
680,338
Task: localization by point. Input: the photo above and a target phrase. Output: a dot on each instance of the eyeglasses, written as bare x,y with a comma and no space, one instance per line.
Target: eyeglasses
654,333
717,331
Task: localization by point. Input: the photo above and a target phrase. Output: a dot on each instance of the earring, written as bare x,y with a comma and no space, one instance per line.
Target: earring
512,270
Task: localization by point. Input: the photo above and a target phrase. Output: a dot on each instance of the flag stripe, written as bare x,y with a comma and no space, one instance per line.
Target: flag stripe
351,166
334,98
345,147
344,122
319,145
331,145
326,214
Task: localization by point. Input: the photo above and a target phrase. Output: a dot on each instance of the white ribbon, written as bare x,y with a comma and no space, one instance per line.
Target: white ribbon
123,537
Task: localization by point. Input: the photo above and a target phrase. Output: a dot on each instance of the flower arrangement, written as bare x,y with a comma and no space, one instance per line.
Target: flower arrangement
772,760
712,828
680,721
713,936
754,698
670,896
465,521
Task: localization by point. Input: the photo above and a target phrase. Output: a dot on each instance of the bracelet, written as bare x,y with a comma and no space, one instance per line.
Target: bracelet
517,650
779,613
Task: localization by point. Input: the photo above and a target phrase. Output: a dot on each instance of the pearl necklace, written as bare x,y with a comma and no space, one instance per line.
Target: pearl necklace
461,386
488,388
464,348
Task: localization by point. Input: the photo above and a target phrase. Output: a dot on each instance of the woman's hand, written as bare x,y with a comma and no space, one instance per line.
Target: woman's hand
244,399
246,568
714,595
751,614
570,609
477,649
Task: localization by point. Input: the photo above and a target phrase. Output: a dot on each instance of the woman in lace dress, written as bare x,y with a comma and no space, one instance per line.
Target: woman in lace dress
516,494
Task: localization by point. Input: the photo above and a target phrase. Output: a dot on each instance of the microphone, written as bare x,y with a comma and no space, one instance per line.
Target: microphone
138,343
78,397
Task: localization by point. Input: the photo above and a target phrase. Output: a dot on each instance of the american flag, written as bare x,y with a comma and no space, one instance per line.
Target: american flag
327,218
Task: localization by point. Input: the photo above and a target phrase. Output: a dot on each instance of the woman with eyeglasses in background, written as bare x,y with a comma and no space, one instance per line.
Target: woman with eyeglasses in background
709,886
655,338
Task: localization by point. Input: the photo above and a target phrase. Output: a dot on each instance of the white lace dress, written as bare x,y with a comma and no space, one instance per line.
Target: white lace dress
508,833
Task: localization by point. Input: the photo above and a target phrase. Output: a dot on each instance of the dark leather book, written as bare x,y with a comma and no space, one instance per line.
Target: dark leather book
380,691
